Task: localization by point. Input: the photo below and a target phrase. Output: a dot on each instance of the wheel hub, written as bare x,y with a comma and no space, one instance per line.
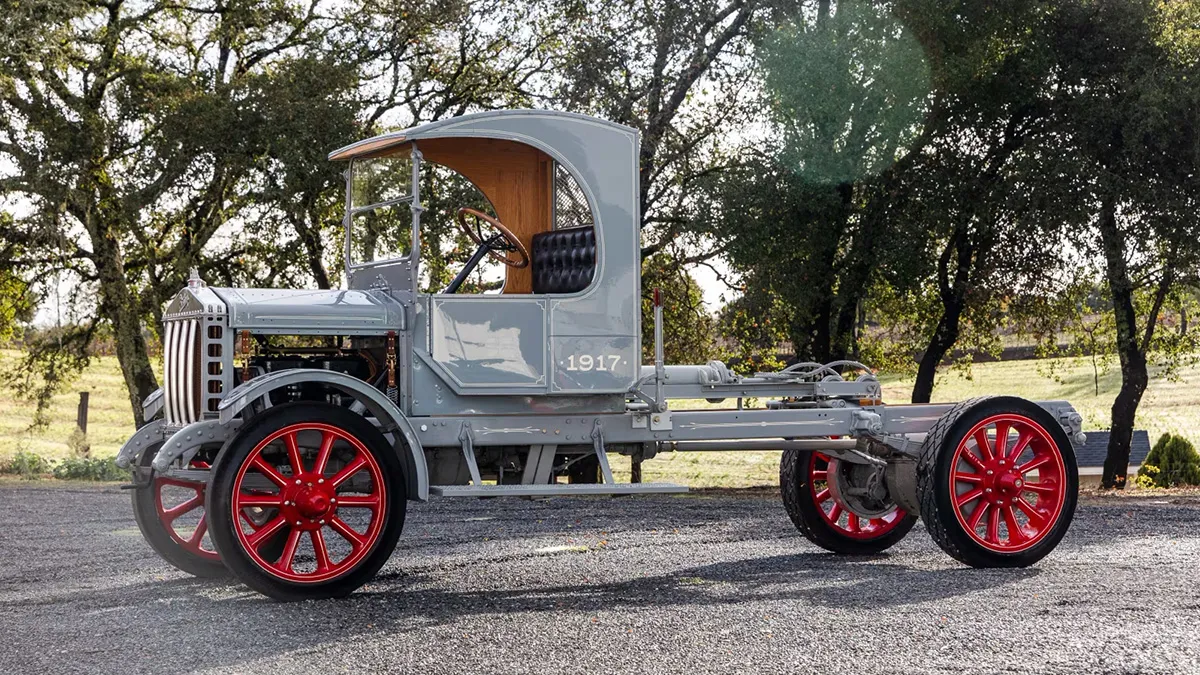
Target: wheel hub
308,501
1002,484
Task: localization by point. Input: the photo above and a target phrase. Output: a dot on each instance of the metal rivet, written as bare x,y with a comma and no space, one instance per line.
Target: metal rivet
988,473
320,480
297,523
424,428
298,480
332,501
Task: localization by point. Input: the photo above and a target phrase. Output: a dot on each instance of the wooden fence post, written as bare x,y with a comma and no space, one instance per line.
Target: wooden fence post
82,415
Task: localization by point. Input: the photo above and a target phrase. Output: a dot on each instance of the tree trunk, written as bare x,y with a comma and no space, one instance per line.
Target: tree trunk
124,312
944,337
953,293
1134,376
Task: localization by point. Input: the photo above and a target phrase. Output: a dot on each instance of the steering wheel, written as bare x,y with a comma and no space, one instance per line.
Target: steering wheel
504,247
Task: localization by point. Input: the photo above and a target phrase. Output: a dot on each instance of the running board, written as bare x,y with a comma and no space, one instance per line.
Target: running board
556,489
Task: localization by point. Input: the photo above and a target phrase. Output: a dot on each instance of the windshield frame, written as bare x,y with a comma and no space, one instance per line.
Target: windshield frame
413,198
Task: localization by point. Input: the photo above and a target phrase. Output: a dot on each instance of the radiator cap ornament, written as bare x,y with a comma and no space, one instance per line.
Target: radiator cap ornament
194,280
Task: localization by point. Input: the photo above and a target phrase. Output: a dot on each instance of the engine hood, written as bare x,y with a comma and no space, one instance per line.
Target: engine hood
303,312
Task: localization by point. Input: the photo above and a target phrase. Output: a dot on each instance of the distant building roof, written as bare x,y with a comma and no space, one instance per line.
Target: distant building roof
1094,451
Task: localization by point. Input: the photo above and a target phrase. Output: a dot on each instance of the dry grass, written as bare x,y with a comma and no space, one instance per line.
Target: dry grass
1167,406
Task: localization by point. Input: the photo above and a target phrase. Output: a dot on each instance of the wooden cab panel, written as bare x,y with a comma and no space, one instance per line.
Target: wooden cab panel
516,178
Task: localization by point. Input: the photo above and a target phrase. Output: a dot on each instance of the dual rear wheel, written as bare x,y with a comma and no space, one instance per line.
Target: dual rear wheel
996,483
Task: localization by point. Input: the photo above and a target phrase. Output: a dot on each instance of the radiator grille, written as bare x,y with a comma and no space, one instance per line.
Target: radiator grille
182,374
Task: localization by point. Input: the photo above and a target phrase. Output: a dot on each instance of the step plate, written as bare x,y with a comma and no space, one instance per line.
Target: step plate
556,490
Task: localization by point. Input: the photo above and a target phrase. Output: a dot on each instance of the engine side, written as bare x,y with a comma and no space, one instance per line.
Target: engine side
205,357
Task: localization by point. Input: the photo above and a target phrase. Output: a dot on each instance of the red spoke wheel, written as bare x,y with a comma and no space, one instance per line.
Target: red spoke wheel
813,504
307,501
997,482
171,516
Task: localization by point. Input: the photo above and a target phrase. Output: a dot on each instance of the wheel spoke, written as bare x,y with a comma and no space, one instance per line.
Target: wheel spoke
968,477
318,544
1022,443
348,533
982,446
1040,488
349,470
267,470
820,475
198,533
974,461
1002,429
356,501
993,526
977,515
1015,534
967,497
289,550
1033,463
192,504
852,523
293,450
323,454
260,535
835,513
1036,518
822,496
259,500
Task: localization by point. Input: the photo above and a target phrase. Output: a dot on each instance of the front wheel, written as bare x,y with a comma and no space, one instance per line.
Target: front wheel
807,480
997,482
332,490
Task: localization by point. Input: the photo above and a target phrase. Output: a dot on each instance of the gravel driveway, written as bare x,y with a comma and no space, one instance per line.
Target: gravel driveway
696,584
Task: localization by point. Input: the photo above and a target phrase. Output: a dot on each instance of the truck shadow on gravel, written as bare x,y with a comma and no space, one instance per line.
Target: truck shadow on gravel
809,578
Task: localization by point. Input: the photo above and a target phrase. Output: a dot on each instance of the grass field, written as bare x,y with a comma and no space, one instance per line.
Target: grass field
1167,406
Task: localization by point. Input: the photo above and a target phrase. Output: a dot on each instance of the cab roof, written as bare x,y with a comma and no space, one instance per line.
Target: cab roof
490,124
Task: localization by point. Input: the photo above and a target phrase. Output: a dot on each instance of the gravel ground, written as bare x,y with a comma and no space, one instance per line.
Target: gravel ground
696,584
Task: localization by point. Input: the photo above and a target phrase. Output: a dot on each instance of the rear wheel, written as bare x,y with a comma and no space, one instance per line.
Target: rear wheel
335,491
809,482
997,482
171,516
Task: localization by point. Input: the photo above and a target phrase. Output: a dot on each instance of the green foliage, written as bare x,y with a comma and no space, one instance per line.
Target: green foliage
52,360
688,329
26,465
752,327
848,88
1172,461
89,468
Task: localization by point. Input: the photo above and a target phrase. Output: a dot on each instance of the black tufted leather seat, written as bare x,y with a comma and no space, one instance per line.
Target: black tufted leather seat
564,261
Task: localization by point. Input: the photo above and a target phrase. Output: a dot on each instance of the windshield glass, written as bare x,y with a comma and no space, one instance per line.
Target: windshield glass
380,222
380,180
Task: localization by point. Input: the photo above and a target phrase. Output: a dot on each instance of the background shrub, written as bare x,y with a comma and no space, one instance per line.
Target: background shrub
26,465
1172,461
85,468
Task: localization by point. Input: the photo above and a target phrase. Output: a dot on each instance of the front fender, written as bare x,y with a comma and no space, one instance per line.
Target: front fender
390,416
191,438
149,434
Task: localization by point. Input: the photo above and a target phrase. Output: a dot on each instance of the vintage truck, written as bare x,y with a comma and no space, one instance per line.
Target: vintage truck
294,426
